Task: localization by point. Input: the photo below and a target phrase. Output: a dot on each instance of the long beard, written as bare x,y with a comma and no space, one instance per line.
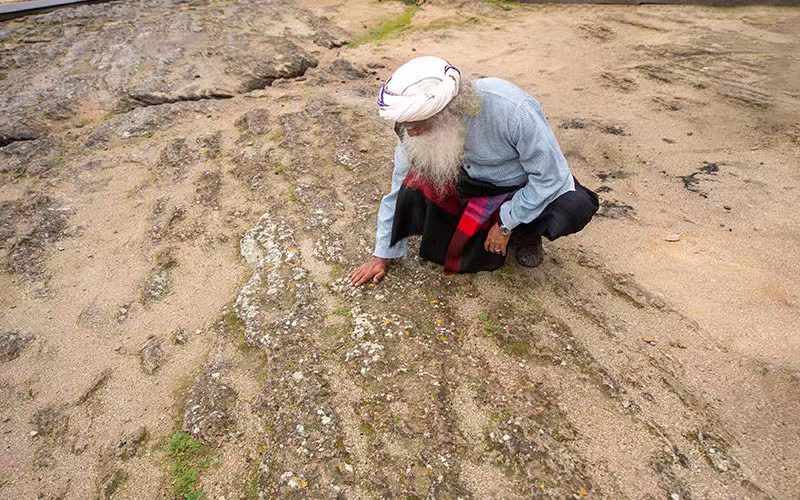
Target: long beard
437,155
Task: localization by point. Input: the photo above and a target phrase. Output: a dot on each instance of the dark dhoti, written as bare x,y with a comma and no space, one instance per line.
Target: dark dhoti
454,224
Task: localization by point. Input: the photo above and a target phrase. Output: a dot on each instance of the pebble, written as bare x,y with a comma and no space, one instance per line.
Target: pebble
672,237
34,433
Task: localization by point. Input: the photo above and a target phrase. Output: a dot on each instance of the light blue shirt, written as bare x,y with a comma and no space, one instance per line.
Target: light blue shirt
509,143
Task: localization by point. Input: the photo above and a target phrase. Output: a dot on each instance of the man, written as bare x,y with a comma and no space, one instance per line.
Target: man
477,171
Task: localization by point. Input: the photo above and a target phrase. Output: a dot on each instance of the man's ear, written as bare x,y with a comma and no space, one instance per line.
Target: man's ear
399,129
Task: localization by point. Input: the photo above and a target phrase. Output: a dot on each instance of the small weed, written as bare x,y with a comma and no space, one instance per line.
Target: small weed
489,326
188,458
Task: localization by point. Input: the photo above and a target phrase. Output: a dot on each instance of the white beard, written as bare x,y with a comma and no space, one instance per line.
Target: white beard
437,155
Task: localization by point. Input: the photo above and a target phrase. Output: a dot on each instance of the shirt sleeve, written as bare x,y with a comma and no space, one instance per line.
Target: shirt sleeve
383,236
543,162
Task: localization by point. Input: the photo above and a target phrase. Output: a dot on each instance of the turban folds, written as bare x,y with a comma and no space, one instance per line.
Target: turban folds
418,89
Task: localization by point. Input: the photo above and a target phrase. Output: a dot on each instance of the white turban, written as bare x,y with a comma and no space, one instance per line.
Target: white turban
418,89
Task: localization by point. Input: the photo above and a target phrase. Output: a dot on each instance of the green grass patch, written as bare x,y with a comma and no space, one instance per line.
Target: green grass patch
390,28
489,326
344,311
188,458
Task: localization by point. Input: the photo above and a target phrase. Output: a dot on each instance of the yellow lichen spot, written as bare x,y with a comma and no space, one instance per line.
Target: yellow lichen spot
303,483
583,492
386,322
406,333
439,321
434,301
442,338
541,486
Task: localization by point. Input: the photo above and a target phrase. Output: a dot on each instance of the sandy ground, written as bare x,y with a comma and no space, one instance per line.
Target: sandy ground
175,262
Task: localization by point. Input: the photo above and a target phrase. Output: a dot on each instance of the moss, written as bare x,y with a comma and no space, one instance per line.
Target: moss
232,322
188,458
368,430
512,346
389,28
340,443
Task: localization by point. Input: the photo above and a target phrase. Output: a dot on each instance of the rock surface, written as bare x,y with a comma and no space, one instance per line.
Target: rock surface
186,185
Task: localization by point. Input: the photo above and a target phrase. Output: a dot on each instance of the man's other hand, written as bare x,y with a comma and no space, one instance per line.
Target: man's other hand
496,242
373,270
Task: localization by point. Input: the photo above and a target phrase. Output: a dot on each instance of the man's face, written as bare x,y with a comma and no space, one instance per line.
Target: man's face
422,127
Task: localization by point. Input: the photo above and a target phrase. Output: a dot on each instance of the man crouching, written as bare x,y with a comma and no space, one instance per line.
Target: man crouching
477,171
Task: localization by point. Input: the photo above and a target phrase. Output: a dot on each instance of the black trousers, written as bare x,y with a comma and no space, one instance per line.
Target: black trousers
567,214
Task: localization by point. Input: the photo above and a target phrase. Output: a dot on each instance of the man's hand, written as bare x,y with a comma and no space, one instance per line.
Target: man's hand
496,242
373,270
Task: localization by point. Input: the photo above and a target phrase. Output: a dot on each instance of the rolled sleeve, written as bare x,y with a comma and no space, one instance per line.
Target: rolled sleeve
544,164
383,234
